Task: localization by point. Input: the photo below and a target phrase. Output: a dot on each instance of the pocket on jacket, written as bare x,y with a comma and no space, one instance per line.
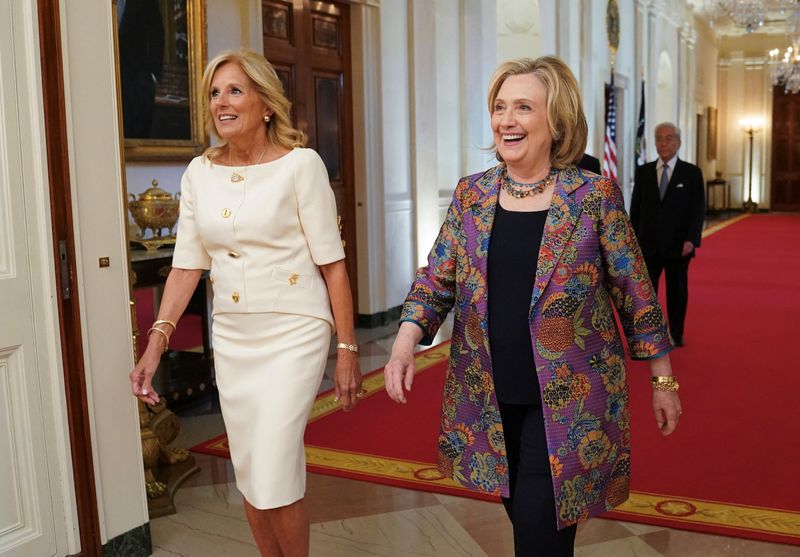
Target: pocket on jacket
290,278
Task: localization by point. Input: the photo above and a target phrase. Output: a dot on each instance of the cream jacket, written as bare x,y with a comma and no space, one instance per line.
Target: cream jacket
262,230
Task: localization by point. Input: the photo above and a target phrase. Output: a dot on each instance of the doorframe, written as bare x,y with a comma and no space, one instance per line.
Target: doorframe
71,335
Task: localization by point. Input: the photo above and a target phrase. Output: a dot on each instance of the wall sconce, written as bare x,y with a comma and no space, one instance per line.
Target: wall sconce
751,126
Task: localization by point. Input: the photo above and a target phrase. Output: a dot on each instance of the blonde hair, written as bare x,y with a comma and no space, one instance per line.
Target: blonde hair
269,89
564,107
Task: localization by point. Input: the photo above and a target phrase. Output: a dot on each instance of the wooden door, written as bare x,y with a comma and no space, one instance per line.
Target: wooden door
785,190
32,482
308,43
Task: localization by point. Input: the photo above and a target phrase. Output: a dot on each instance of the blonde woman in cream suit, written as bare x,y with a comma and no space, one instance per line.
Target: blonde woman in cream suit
259,212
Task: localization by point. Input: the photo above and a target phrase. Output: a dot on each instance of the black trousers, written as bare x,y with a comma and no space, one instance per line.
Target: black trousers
531,507
677,277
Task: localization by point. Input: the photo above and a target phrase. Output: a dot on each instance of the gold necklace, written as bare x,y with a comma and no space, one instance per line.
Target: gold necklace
519,190
236,177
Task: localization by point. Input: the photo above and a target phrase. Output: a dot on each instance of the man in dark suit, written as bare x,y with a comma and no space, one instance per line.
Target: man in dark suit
667,210
588,162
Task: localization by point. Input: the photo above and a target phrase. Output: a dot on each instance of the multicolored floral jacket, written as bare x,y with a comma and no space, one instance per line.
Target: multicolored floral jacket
589,260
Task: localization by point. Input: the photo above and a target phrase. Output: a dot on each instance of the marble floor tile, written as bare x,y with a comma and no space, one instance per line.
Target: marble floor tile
599,530
330,498
486,522
429,532
625,547
210,523
640,529
682,543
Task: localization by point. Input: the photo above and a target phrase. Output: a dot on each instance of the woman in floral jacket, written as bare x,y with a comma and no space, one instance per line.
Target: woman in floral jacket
531,257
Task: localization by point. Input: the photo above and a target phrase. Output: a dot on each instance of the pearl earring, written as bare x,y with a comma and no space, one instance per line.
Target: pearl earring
266,118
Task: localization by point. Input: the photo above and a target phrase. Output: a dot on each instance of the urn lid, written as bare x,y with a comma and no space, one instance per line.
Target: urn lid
154,193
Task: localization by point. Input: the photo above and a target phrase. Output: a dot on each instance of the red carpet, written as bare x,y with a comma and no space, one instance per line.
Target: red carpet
731,466
739,439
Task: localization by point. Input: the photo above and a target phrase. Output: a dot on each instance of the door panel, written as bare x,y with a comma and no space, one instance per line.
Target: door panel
308,44
785,187
26,512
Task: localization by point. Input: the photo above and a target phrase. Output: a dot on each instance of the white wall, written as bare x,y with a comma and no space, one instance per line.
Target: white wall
706,56
745,92
519,30
435,64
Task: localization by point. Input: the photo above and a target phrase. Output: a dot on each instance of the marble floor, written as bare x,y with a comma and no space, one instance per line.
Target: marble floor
351,518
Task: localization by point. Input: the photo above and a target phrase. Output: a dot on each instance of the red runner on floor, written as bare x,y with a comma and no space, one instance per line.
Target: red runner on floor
731,466
739,439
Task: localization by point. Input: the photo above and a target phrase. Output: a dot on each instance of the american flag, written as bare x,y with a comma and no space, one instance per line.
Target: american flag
610,141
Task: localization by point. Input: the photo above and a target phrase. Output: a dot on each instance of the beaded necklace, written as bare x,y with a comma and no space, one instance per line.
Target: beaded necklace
519,190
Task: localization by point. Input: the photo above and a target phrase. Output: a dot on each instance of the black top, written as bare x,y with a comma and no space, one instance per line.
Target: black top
513,255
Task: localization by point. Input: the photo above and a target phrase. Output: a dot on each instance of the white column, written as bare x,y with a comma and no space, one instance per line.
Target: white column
479,58
422,94
686,104
640,63
368,156
651,60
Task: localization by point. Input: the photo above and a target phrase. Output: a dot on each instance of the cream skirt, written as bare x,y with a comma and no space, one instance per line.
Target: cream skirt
268,368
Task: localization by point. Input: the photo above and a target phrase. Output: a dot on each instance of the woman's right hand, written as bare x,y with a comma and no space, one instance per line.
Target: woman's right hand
142,375
399,372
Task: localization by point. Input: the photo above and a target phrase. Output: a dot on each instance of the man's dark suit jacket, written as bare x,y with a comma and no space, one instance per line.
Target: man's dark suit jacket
588,162
663,225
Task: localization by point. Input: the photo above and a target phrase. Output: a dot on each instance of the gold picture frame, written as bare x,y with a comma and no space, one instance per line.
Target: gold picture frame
173,128
711,137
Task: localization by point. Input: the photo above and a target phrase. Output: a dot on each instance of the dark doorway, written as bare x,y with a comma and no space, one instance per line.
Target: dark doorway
785,190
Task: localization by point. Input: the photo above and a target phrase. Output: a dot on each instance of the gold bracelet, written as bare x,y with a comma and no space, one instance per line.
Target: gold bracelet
351,347
166,336
665,383
165,322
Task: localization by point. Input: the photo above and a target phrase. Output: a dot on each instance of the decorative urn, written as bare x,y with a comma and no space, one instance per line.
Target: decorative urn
155,209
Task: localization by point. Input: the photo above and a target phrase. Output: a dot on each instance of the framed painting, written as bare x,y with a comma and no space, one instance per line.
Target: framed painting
161,53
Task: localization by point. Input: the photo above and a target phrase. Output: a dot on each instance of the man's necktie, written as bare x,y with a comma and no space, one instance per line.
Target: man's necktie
662,185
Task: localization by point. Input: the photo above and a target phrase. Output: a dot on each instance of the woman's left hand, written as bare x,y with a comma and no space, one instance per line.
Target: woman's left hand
667,408
347,380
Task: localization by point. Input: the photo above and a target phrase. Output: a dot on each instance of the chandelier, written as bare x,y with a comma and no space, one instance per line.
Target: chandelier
786,72
749,14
